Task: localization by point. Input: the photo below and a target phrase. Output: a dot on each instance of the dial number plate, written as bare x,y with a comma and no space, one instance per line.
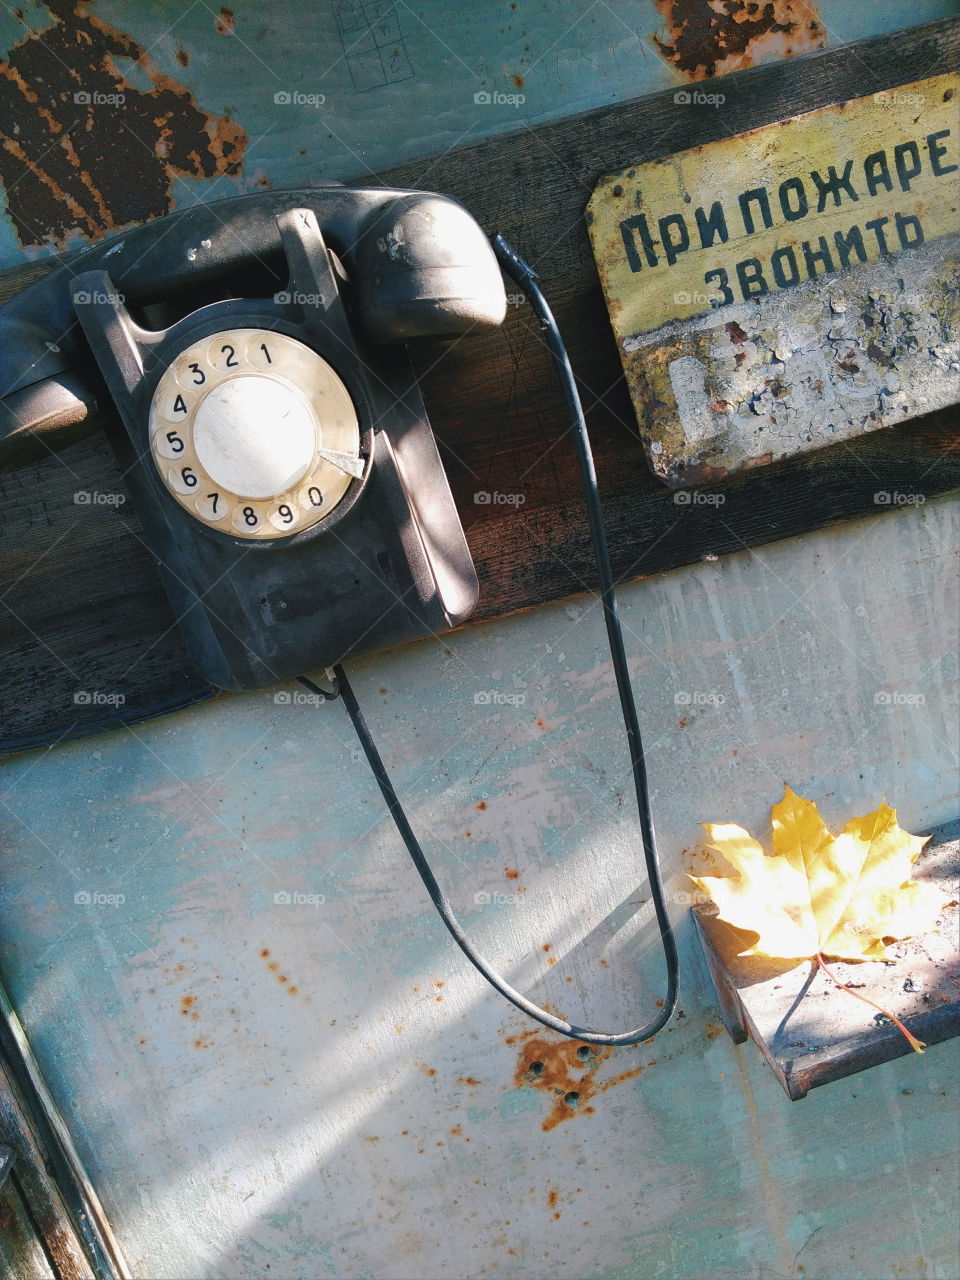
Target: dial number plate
254,433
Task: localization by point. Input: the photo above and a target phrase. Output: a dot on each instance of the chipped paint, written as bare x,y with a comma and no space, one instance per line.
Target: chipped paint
83,150
710,37
797,371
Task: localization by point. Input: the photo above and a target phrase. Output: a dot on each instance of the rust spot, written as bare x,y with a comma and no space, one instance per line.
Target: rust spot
682,724
470,1081
383,689
481,804
200,1043
711,37
547,946
542,724
264,953
399,1028
188,1001
91,152
468,833
292,990
428,1071
735,332
553,1198
518,81
456,1131
566,1072
438,983
183,57
511,873
225,22
372,1138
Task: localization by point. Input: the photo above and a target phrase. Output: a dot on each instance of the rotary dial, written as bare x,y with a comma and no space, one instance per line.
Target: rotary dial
254,434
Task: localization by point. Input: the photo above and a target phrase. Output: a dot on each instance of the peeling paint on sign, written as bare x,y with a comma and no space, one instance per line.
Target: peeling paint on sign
781,289
83,150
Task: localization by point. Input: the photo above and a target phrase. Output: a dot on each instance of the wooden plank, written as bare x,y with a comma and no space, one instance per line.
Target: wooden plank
36,1227
83,607
808,1030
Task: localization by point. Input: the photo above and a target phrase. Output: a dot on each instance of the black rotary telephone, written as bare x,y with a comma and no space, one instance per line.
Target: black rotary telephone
276,444
277,447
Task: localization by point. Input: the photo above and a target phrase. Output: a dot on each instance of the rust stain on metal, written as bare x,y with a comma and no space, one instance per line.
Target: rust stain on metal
566,1072
83,151
710,37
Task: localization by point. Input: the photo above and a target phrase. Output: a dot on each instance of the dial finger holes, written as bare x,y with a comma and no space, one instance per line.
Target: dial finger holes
254,434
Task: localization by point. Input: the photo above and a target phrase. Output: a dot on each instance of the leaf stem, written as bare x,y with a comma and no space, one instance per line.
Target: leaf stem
916,1045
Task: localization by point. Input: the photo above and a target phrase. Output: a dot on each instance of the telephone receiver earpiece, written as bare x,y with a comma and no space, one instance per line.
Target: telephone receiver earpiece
417,267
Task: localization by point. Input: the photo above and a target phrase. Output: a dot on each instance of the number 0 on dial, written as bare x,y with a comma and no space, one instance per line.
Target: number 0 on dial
254,433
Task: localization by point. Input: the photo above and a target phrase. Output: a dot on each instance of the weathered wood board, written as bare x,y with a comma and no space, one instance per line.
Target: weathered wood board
780,289
84,611
810,1032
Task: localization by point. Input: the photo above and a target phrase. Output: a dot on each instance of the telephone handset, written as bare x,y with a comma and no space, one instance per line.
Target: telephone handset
277,448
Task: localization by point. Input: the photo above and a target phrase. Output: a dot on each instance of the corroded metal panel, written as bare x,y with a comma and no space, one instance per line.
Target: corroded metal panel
113,112
271,1052
778,290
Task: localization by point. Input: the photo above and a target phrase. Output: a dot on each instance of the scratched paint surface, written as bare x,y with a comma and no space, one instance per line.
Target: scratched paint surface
199,101
272,1055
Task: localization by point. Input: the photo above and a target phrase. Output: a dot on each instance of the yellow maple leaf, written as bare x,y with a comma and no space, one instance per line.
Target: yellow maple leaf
839,896
819,894
822,895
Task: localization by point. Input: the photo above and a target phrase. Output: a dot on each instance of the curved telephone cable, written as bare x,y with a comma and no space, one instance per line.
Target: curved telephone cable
524,276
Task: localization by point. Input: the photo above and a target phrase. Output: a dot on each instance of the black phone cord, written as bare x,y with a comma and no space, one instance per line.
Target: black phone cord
513,266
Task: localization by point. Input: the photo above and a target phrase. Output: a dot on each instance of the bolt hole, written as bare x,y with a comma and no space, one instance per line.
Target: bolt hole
584,1051
571,1099
536,1068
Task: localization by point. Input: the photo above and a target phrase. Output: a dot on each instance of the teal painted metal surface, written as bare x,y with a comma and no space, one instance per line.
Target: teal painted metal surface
323,1085
334,90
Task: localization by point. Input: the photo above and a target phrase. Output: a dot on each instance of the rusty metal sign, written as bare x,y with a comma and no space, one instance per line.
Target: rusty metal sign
777,290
